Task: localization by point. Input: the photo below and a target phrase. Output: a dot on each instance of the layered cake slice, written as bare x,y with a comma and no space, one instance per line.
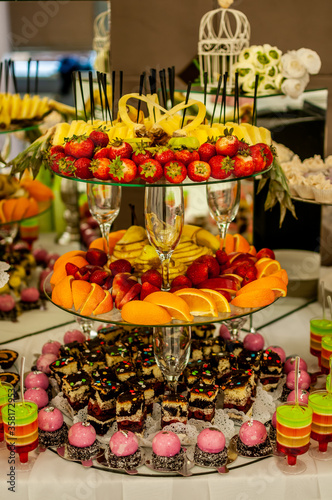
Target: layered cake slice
131,411
76,388
174,408
92,360
202,402
148,390
271,368
63,366
237,387
115,354
125,371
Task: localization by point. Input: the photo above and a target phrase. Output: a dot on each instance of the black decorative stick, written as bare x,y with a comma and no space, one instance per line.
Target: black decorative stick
82,93
216,100
28,76
1,65
100,95
14,77
254,112
113,93
224,95
121,83
73,79
7,65
162,76
236,98
205,77
186,102
92,100
141,84
104,82
36,77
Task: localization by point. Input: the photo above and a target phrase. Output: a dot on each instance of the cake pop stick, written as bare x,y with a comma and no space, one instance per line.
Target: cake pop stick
297,371
329,301
22,377
323,297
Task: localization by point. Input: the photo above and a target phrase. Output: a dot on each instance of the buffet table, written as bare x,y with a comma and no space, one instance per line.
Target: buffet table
54,478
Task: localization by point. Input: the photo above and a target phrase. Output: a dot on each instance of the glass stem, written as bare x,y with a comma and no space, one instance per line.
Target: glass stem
172,383
223,227
165,272
105,228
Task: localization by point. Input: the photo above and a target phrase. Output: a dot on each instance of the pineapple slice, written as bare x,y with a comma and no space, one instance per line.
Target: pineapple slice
265,136
61,132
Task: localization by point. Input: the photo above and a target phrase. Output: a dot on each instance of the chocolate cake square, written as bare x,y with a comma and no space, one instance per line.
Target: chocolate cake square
174,408
202,401
131,411
237,387
76,388
271,369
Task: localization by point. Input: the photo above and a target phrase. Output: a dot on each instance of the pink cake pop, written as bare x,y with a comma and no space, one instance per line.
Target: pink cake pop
37,395
279,350
44,361
224,332
252,433
30,294
303,396
123,443
81,435
290,364
7,303
50,419
274,420
36,379
166,444
253,341
211,441
51,347
72,336
304,380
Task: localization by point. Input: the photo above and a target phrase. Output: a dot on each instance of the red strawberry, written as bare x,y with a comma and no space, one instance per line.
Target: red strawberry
120,148
243,165
175,172
198,272
221,166
82,168
120,266
56,149
102,153
79,147
101,169
141,154
228,144
99,138
66,166
123,170
54,161
82,274
182,281
186,156
150,170
146,289
164,155
96,257
153,277
199,171
207,150
243,145
71,269
242,269
258,152
212,263
99,277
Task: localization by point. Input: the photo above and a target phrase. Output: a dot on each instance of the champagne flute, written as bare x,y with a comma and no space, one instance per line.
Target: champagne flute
223,200
164,215
104,204
171,347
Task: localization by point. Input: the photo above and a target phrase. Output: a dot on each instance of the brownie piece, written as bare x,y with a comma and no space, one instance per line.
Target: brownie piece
203,331
237,387
148,390
271,369
202,401
174,408
125,371
131,411
73,349
76,388
115,354
63,366
92,360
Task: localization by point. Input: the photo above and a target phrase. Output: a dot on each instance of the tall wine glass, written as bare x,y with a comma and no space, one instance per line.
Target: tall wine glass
164,214
104,204
172,350
223,200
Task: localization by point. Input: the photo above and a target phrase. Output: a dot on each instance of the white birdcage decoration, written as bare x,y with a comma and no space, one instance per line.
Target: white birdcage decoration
101,41
223,33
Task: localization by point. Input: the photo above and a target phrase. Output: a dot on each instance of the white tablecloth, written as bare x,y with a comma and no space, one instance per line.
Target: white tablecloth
53,478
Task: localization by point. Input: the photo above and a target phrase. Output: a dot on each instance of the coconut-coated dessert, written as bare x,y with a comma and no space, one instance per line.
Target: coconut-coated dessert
82,444
253,440
52,430
167,452
123,452
211,450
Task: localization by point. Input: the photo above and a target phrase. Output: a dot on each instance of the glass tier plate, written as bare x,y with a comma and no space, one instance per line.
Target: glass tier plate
43,207
115,317
307,200
162,183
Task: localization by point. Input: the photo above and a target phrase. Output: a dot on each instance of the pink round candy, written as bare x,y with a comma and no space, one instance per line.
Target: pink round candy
290,364
44,361
50,419
274,420
224,332
303,396
37,395
72,336
7,303
211,441
166,444
51,347
253,342
36,379
304,380
123,443
252,433
30,294
81,435
279,350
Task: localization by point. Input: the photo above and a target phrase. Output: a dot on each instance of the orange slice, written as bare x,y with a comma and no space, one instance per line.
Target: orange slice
33,208
145,313
199,302
266,266
81,290
58,275
221,301
229,243
252,250
105,305
21,206
63,291
272,282
67,256
282,273
255,298
114,237
37,189
240,244
175,306
8,209
95,297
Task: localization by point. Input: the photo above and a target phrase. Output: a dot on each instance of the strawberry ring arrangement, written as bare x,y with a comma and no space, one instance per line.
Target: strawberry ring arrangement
157,151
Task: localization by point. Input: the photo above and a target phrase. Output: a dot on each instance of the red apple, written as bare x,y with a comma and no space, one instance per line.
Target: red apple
120,266
265,252
132,294
153,277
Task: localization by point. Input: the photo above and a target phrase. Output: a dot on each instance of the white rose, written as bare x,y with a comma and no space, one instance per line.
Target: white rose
292,87
291,66
278,81
310,59
4,277
244,69
266,85
272,52
271,71
248,83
